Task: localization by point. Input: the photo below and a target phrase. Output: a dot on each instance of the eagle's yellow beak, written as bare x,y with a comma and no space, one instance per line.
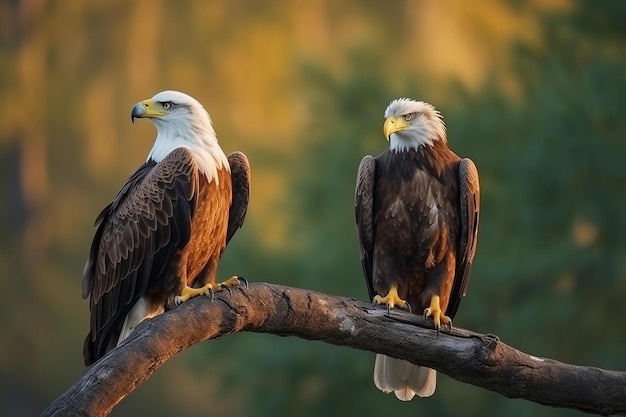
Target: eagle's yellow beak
147,108
394,124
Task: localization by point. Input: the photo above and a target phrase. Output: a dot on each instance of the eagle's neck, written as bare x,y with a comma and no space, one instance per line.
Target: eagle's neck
196,134
436,160
399,143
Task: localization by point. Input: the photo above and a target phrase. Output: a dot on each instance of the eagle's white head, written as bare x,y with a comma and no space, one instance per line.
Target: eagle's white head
410,124
181,121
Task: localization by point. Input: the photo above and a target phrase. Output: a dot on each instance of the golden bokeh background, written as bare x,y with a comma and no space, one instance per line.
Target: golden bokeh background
300,87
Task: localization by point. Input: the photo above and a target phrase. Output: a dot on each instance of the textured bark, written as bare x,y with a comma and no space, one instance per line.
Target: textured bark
481,360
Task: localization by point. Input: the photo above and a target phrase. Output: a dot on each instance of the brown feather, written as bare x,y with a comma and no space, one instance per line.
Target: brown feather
364,206
469,191
240,173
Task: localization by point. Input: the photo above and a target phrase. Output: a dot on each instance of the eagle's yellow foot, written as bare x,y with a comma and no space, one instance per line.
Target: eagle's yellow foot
208,289
435,312
392,299
188,292
231,282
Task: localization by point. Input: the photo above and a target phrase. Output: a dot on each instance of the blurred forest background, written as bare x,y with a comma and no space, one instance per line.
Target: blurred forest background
533,91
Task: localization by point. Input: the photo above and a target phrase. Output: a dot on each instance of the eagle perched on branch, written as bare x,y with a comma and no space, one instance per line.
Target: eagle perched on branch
160,240
417,208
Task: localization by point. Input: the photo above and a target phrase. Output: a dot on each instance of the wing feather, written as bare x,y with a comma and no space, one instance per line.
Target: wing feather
240,175
469,190
364,207
136,237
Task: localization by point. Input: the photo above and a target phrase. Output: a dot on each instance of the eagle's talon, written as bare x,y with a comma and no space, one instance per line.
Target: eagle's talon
210,293
445,327
233,281
230,282
434,311
245,281
188,293
392,300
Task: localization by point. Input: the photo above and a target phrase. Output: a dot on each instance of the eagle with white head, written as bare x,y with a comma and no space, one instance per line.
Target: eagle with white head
417,208
159,241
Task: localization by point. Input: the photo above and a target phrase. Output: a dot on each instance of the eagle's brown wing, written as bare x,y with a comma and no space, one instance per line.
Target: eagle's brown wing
469,190
136,237
364,212
240,174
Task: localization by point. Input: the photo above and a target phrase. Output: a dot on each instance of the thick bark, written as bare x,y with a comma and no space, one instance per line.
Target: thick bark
481,360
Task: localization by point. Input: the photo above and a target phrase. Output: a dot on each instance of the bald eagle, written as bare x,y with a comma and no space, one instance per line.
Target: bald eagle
417,208
159,241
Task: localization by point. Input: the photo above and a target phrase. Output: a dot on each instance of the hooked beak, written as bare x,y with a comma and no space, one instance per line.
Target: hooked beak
394,124
147,108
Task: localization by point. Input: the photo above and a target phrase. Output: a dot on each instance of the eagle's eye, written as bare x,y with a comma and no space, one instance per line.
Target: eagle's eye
410,116
167,105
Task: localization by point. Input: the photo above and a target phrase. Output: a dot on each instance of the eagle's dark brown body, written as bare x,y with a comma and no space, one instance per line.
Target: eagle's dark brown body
416,224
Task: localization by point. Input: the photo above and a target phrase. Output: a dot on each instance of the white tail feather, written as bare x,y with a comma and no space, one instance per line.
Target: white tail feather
403,378
141,310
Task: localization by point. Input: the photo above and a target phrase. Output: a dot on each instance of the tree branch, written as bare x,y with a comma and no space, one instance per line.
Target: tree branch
477,359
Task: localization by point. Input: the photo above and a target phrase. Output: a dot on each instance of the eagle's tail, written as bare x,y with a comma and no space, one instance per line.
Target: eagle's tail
143,309
403,378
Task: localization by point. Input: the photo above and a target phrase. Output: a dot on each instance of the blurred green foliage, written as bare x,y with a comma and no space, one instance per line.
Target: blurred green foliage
536,101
